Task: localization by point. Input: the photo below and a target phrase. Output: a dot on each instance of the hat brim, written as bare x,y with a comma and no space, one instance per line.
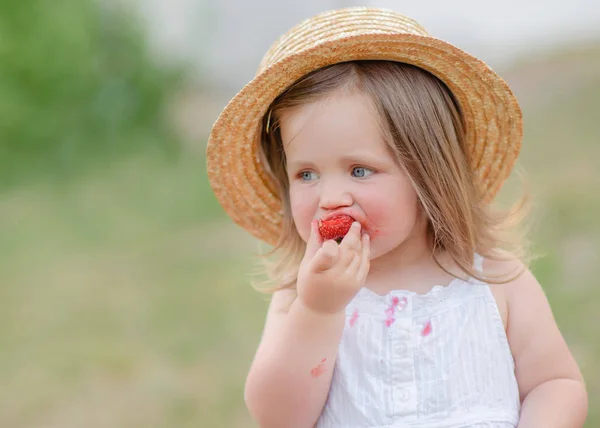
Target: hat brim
491,115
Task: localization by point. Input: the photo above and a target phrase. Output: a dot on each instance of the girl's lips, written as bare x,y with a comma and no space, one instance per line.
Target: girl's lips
338,213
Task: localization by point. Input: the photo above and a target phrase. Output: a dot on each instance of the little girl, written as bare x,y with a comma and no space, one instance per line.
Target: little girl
424,314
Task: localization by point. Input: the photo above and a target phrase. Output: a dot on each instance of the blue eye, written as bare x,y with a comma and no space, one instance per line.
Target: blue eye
361,172
308,175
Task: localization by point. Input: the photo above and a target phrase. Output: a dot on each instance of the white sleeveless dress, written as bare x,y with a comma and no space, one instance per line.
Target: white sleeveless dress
439,360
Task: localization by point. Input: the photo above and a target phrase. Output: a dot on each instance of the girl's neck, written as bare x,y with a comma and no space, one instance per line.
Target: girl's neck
410,266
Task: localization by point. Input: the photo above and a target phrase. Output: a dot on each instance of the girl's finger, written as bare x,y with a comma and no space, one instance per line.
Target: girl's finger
354,265
365,258
326,256
314,240
345,257
352,239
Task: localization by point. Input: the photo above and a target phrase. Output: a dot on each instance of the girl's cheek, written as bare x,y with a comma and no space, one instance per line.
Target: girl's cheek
376,207
388,215
302,212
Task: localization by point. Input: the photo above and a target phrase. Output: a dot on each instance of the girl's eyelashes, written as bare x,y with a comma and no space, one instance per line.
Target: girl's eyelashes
361,172
307,175
356,172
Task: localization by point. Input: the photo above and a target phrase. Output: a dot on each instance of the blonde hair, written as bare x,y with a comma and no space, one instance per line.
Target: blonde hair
421,122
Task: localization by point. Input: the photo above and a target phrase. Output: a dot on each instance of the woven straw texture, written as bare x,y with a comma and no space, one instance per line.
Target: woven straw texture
491,113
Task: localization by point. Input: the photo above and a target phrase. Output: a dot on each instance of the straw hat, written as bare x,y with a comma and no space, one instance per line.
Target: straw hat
491,113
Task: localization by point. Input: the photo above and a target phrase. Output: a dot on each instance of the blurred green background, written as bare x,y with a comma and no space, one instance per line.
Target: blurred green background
124,290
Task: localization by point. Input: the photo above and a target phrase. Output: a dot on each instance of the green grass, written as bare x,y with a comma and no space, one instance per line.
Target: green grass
119,306
125,297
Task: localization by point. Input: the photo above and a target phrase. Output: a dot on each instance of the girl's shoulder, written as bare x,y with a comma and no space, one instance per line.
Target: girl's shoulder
512,269
539,350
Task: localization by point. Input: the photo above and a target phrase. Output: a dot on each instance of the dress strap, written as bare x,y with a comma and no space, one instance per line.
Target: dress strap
478,262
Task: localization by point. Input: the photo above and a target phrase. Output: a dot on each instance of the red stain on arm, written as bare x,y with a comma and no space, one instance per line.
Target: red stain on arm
318,370
426,329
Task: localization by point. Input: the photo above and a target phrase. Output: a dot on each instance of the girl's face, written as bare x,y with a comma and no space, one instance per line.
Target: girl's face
338,162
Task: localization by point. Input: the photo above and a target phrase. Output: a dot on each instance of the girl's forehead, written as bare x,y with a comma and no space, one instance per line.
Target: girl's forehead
340,122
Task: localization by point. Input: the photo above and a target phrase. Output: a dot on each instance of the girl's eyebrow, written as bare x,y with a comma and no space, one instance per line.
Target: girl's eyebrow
362,157
297,164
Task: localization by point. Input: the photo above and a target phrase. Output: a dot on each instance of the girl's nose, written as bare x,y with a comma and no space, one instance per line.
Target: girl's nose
334,195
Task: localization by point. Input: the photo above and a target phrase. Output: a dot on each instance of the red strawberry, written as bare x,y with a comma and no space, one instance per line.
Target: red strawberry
335,227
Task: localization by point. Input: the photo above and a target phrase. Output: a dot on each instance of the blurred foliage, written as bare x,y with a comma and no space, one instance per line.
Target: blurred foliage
77,88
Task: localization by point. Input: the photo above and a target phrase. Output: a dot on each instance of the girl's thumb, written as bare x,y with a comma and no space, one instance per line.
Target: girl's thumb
314,240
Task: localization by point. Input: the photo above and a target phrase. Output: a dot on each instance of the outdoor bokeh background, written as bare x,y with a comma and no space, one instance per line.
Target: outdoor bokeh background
124,289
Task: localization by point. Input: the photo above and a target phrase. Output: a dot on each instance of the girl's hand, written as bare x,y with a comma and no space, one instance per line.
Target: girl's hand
330,275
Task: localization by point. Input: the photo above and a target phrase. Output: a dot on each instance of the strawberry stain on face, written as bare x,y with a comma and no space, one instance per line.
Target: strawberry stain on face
369,227
353,318
318,370
427,329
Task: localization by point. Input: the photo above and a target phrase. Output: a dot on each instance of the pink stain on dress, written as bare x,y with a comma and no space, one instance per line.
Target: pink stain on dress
426,329
397,303
390,312
318,370
353,318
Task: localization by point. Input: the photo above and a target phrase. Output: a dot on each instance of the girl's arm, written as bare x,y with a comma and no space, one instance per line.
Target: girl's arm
291,373
551,386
